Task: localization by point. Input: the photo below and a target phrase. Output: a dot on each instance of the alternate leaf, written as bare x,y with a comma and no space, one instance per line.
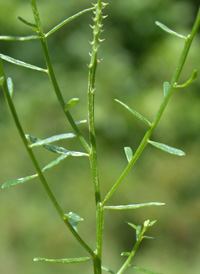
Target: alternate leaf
63,261
133,206
52,148
135,113
125,253
166,86
149,237
19,181
103,267
53,139
81,122
71,103
68,20
19,38
20,63
75,217
170,31
188,82
143,269
31,25
10,86
129,153
55,162
168,149
136,227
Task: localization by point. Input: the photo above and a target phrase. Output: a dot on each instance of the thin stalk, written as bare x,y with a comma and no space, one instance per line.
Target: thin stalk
36,165
162,107
130,257
53,78
93,151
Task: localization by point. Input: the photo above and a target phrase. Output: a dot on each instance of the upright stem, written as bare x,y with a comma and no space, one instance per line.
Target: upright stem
93,151
162,107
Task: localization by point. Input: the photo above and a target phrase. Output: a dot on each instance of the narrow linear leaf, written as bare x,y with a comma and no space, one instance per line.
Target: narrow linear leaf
81,122
53,139
149,237
136,227
188,82
103,267
133,206
168,30
19,38
20,63
71,103
166,87
75,217
168,149
19,181
10,86
135,113
55,162
63,261
143,269
125,253
129,153
52,148
68,20
31,25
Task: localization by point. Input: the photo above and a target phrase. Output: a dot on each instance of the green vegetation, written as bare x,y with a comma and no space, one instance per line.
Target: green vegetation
35,111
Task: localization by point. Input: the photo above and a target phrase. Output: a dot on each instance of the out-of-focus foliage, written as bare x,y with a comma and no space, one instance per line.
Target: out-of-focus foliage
137,58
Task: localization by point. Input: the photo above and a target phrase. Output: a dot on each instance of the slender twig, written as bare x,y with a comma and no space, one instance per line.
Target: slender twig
163,105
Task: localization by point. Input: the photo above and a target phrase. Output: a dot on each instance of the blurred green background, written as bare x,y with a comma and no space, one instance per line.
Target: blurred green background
137,58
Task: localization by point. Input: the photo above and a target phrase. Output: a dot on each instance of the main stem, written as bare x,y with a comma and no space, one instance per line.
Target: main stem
163,105
93,151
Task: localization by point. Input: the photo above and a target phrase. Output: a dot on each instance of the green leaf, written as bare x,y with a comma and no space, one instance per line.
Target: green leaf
71,103
20,63
10,86
20,38
136,227
135,113
55,162
188,82
53,139
81,122
152,223
166,87
19,181
31,25
125,253
129,153
149,237
168,149
103,267
68,20
73,216
63,261
133,206
52,148
168,30
143,269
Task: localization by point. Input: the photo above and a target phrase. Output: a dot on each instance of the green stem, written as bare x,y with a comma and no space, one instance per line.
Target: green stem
36,165
53,78
130,257
163,105
93,151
